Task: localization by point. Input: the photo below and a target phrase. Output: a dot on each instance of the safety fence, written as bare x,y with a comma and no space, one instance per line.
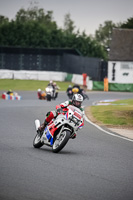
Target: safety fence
59,60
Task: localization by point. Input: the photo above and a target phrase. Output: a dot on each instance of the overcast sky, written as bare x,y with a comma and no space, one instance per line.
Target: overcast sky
86,14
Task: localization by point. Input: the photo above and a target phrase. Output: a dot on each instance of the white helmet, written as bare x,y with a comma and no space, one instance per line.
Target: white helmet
39,90
77,100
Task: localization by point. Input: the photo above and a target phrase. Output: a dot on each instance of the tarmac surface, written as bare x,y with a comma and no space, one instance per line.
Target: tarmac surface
94,166
107,96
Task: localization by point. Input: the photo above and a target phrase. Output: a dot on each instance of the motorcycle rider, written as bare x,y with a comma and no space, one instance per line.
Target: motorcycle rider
76,101
69,92
80,91
76,86
41,94
56,88
51,84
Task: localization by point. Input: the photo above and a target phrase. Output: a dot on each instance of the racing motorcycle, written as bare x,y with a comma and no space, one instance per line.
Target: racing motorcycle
59,130
49,93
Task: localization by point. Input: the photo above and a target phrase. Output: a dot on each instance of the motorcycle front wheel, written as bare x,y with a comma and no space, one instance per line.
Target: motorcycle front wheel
37,141
48,97
60,141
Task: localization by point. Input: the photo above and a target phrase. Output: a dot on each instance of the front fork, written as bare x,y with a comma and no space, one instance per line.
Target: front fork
58,135
37,124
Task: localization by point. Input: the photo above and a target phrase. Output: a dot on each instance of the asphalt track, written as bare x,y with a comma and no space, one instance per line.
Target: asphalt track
94,166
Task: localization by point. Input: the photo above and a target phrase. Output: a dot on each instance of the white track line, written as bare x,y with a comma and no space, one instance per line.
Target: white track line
109,133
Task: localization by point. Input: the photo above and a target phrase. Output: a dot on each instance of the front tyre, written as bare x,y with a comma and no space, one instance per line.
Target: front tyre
48,97
37,141
60,141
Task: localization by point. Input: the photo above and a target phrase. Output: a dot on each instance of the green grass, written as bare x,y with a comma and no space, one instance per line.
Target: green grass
120,114
31,85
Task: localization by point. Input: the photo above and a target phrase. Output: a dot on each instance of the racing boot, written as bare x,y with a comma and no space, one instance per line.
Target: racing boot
42,127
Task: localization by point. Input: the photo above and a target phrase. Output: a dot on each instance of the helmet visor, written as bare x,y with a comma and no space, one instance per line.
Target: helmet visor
77,103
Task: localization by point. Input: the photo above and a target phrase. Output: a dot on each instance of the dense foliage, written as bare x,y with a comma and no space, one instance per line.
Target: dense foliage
36,28
103,34
128,24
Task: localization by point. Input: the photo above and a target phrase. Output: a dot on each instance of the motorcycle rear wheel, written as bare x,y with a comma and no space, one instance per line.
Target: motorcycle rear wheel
61,141
37,141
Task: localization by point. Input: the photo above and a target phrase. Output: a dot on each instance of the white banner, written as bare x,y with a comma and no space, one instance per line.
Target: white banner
120,72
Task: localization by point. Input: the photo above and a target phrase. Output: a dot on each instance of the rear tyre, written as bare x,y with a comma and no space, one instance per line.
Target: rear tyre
60,141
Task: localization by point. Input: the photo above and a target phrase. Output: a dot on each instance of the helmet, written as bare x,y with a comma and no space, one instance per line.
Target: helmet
39,90
54,83
51,82
77,100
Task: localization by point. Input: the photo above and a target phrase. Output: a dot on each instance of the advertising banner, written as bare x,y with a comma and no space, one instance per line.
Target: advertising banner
120,72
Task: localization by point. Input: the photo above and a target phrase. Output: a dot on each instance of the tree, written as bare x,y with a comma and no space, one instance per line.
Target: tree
103,34
36,28
128,24
3,19
68,24
38,15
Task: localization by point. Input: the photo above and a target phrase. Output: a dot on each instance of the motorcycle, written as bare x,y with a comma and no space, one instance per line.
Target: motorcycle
59,130
75,90
49,93
41,94
85,96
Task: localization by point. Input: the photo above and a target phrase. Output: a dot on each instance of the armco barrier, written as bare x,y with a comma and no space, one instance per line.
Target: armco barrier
44,75
33,75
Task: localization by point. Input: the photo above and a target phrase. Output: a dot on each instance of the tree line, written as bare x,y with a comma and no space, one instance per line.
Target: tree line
36,28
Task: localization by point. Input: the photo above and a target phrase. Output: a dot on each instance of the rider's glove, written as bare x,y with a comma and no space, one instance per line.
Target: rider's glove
59,110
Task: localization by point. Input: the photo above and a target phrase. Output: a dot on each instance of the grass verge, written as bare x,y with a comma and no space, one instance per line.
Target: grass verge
31,85
119,113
